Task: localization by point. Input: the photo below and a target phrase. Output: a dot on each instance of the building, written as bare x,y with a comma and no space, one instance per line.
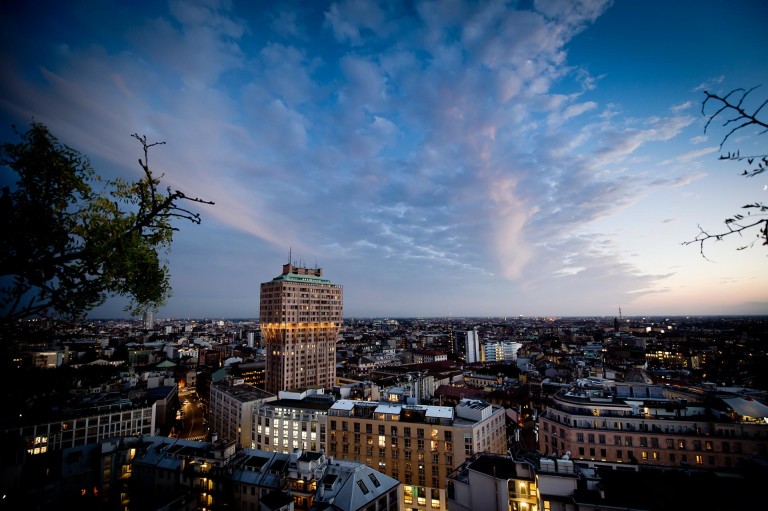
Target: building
294,421
418,445
500,351
149,320
300,319
232,406
467,346
219,475
526,483
604,421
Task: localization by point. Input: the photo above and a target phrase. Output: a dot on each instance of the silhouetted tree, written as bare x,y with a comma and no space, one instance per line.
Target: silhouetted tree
70,240
736,116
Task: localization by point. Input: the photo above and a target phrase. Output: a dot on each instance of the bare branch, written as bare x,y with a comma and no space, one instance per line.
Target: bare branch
726,105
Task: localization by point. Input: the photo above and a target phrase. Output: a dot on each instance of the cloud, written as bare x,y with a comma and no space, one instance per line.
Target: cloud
691,155
681,107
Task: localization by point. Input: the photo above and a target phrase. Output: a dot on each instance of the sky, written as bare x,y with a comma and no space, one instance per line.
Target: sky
435,158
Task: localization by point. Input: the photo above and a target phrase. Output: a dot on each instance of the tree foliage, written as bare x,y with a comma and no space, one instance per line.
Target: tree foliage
731,109
71,240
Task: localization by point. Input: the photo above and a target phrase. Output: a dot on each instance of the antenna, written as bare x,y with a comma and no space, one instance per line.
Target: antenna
289,254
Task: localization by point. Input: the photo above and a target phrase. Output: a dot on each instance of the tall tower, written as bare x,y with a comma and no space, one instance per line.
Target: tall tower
300,318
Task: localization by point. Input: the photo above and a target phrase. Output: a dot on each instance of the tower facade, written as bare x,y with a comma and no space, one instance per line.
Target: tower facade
300,318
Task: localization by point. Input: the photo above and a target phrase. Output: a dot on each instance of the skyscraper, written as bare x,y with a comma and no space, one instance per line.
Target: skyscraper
300,317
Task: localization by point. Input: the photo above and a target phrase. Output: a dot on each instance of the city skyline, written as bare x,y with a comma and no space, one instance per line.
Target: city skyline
436,159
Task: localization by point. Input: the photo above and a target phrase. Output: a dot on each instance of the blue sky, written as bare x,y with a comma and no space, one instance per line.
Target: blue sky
441,158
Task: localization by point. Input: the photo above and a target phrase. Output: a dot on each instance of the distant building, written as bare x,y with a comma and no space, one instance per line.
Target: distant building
149,320
300,318
500,351
468,346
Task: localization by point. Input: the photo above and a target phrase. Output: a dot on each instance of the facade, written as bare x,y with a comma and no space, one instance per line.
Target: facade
119,417
500,351
291,422
604,421
231,408
300,318
418,445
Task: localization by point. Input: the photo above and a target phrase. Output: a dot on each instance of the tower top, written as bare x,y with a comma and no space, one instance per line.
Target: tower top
289,268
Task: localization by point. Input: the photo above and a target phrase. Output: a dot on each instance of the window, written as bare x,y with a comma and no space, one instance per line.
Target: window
580,437
601,439
616,439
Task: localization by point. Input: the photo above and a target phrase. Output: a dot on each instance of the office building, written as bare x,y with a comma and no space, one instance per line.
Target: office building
300,319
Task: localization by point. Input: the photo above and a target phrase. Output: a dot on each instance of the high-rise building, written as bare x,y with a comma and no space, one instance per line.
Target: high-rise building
467,346
300,318
149,320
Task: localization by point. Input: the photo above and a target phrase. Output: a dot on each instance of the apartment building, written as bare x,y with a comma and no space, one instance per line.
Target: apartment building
300,318
232,404
418,445
605,421
297,420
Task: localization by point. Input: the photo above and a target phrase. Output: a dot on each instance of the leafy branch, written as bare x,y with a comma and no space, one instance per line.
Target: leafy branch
66,246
